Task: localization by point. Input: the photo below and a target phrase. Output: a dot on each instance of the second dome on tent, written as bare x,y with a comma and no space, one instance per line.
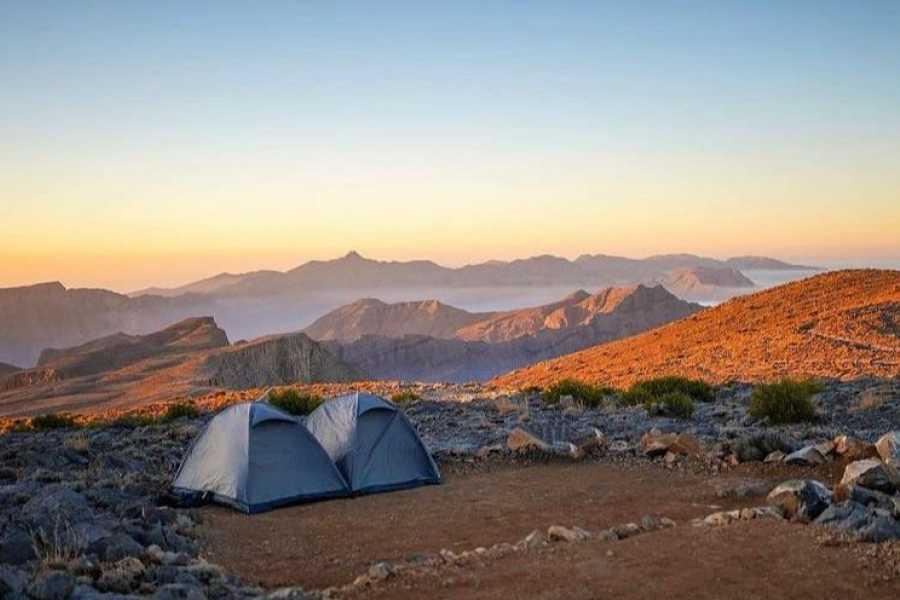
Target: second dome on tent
373,444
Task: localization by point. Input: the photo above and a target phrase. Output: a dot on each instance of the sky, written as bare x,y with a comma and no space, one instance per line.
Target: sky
154,143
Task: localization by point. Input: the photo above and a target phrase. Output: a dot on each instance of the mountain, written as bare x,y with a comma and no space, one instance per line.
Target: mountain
189,358
120,350
6,369
356,271
49,315
211,285
374,317
248,305
762,263
511,340
843,324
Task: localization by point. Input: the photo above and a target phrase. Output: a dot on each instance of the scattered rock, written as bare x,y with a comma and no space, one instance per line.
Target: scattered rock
520,439
16,546
888,447
560,533
654,443
808,456
800,499
863,522
773,457
853,449
380,571
51,585
873,474
179,591
12,582
533,540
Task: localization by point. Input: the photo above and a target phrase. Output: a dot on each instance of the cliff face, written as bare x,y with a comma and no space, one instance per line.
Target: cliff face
276,360
844,324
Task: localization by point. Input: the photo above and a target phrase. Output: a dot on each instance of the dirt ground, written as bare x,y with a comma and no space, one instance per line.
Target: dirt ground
330,543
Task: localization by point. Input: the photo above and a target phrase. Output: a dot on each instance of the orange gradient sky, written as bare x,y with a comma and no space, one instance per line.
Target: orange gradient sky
145,144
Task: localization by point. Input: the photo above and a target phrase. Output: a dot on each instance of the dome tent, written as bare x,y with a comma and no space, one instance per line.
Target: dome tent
372,443
255,457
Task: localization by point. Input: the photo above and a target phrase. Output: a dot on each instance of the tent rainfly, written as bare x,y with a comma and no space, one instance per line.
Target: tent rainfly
372,443
255,457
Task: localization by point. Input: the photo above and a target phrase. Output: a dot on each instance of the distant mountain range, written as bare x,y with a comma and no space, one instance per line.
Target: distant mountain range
253,304
355,271
843,324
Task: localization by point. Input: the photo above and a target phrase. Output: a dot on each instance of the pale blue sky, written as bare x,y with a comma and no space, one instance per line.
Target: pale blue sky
238,135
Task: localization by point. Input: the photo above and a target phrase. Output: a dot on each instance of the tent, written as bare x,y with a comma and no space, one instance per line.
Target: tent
372,443
255,457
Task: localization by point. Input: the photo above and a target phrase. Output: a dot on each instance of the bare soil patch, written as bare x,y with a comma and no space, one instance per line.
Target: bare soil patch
330,543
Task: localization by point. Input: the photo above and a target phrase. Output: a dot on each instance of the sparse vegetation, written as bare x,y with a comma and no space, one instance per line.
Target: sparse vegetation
531,390
653,390
59,547
294,402
404,397
786,401
587,394
179,410
78,442
670,404
53,421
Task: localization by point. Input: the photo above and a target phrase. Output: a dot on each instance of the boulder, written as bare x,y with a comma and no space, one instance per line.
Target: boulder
774,457
117,546
853,449
654,443
873,474
16,545
12,582
888,447
521,439
51,585
863,522
755,448
808,456
533,540
179,591
560,533
800,499
53,507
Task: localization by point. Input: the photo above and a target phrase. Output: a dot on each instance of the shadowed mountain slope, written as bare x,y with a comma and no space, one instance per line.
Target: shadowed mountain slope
843,324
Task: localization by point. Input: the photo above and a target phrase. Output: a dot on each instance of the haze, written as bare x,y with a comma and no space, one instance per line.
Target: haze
157,143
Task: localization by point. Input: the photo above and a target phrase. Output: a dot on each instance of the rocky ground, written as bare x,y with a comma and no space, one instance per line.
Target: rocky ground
86,513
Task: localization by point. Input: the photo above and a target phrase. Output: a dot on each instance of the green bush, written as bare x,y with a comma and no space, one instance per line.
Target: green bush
179,410
295,402
406,397
670,404
787,401
53,421
697,389
586,393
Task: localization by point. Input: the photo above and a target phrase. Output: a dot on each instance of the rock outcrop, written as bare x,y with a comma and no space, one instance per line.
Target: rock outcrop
276,360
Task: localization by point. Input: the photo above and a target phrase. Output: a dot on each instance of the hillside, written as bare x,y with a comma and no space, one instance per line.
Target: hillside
511,340
842,324
374,317
189,358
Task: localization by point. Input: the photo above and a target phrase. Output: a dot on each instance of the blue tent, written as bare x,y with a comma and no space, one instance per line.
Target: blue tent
372,443
255,457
